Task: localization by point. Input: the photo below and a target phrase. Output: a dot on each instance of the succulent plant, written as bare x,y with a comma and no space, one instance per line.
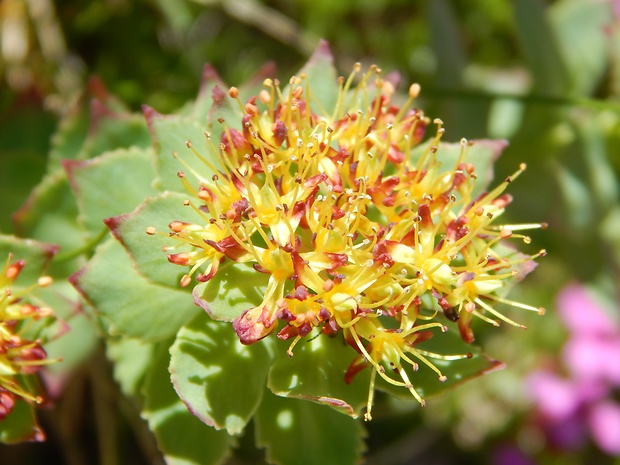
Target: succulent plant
278,253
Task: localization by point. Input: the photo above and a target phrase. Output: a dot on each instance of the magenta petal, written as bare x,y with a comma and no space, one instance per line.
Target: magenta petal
581,314
556,398
588,357
604,421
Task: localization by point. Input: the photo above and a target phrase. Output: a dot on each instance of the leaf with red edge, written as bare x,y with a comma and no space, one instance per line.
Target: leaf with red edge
133,306
146,250
219,379
303,433
316,372
182,438
110,185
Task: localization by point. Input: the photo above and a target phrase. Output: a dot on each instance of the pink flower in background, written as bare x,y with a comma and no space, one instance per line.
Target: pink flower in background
580,404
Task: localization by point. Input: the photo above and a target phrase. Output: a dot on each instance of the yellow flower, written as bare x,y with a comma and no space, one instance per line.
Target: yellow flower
352,230
18,355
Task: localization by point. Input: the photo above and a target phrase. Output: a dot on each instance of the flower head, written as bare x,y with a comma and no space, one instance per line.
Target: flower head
359,228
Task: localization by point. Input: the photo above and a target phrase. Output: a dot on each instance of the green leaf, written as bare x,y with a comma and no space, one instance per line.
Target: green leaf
74,336
132,360
426,382
235,288
219,379
322,79
49,214
182,438
316,372
112,131
296,432
21,425
94,104
111,184
170,135
134,306
146,250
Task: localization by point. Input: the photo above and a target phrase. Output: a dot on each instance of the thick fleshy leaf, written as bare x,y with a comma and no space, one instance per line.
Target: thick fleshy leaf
94,103
50,213
146,250
74,336
316,372
112,131
426,382
219,379
132,360
109,185
133,306
297,432
321,76
234,289
72,130
21,425
170,136
181,437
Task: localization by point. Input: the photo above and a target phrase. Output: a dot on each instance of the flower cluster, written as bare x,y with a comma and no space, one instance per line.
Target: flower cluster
18,355
582,404
355,234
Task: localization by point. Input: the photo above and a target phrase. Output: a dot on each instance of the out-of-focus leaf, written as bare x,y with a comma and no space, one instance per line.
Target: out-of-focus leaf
74,336
540,47
219,379
304,433
316,372
603,183
577,199
134,306
20,425
182,438
585,53
109,185
50,213
146,250
426,382
609,228
462,117
112,131
234,289
132,360
68,142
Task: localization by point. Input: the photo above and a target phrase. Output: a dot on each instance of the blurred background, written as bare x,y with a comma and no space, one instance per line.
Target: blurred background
543,74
